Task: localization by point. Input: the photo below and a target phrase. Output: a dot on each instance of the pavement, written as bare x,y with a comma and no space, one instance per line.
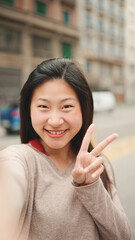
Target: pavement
120,148
124,169
2,132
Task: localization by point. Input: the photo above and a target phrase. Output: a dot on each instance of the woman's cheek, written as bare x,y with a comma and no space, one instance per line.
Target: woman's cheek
36,117
76,118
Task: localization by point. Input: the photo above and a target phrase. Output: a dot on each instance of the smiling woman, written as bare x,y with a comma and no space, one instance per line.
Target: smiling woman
58,117
61,187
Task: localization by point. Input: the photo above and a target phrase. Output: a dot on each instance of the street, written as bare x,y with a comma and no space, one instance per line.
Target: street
121,152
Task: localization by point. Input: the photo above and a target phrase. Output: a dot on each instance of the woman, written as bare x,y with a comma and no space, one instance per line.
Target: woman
61,187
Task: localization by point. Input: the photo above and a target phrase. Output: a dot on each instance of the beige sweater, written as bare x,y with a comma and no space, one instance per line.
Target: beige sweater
41,202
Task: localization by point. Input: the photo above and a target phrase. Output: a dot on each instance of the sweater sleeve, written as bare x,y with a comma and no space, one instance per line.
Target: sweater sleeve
106,210
13,188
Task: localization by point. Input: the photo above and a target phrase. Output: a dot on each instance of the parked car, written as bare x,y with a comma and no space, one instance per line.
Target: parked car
10,118
104,101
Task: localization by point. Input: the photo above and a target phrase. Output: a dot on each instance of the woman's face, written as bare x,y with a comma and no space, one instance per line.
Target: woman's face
55,114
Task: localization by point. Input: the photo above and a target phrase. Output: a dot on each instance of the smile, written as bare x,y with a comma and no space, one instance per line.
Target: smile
58,133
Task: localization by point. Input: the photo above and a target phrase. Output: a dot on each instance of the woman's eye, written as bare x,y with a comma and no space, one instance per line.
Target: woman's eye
67,106
43,106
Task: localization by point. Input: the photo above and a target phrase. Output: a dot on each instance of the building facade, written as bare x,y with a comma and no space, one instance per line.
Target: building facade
31,31
89,31
130,51
102,39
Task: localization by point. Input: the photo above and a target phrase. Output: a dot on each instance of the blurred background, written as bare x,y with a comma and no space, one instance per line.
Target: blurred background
100,35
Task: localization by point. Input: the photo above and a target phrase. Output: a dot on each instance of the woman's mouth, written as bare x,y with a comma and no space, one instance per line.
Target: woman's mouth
56,133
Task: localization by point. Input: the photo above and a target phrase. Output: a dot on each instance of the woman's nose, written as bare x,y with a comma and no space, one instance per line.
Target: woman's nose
55,121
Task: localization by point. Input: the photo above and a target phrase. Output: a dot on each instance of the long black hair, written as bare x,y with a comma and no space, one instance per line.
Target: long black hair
58,68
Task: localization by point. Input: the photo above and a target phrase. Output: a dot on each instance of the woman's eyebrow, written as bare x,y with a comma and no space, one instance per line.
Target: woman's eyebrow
43,99
62,100
66,99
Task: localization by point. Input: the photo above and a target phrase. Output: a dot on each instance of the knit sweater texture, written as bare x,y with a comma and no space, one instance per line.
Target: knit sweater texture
43,204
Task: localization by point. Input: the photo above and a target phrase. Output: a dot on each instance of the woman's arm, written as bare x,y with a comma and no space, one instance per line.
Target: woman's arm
106,210
13,188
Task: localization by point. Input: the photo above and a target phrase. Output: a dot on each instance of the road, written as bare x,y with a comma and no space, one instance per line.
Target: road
121,152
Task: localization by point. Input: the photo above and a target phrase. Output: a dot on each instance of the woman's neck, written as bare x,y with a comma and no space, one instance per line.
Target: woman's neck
62,158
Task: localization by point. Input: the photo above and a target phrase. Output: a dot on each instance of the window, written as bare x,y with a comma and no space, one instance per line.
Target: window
41,46
88,2
66,17
112,50
100,48
121,52
101,26
121,34
101,68
112,9
41,8
10,40
121,15
88,22
9,2
66,50
100,5
87,41
88,66
9,83
112,30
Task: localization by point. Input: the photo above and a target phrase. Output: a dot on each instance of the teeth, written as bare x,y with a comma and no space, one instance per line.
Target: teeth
56,133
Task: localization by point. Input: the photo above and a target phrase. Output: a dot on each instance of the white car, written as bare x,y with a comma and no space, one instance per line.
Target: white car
103,101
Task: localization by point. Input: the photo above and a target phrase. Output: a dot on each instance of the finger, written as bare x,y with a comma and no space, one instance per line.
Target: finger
95,175
94,165
87,138
78,175
99,148
90,178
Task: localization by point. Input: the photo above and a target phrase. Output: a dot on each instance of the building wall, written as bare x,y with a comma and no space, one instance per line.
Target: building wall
99,34
102,41
28,37
130,51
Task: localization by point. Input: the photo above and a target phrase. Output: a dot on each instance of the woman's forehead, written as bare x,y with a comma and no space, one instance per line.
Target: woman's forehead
57,88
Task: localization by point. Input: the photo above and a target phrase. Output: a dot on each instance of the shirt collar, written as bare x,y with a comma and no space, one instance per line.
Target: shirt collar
36,144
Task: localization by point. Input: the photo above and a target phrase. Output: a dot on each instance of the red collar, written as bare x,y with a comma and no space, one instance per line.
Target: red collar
36,144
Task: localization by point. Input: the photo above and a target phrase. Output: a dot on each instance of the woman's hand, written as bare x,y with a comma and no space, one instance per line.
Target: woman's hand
88,166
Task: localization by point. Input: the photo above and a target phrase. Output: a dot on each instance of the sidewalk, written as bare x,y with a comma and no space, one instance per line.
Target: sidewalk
120,148
2,132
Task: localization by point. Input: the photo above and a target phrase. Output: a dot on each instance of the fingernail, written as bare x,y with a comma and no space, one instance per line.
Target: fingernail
116,135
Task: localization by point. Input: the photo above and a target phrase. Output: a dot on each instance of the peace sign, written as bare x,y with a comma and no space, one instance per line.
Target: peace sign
88,166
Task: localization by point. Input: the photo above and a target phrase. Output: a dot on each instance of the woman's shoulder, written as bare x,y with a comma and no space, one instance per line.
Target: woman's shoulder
12,162
18,149
16,153
18,160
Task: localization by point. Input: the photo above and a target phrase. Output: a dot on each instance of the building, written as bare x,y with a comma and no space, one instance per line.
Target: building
89,31
31,31
102,42
130,51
